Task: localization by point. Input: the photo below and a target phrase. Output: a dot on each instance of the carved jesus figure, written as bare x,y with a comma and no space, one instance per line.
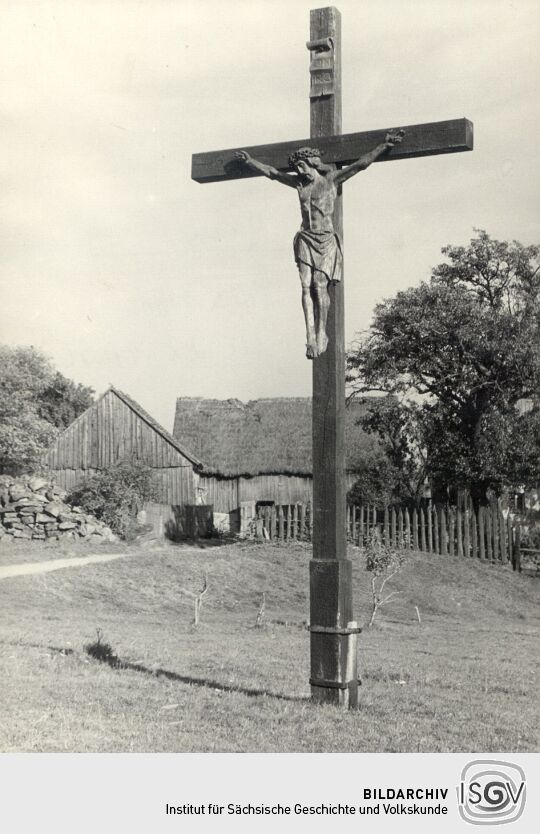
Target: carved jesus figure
317,246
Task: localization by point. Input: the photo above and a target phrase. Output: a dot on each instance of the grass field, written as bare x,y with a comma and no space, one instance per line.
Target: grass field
461,680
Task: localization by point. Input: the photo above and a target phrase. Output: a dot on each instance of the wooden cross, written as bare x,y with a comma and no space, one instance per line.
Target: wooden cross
333,629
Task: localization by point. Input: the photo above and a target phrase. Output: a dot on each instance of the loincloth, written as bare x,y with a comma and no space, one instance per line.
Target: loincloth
321,251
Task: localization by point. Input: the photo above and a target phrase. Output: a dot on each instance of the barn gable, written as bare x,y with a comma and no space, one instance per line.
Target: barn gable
116,428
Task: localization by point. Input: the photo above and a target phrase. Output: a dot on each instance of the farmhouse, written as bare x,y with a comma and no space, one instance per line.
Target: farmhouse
225,456
258,452
115,428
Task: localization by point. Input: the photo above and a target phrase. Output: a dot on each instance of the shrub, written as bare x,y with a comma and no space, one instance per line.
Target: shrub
383,562
116,494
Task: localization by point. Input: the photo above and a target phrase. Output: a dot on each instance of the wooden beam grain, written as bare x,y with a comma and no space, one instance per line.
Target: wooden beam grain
430,139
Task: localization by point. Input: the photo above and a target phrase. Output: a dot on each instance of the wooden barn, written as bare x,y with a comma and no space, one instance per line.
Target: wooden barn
258,452
115,428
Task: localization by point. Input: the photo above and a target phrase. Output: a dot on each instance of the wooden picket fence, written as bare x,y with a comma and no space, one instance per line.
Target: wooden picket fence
284,522
486,535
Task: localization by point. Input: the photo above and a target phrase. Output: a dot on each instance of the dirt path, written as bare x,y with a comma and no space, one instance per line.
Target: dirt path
56,564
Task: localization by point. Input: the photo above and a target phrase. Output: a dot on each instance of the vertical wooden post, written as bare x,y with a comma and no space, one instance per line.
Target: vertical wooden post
353,532
481,534
400,529
459,533
502,535
436,542
516,550
444,534
361,530
394,528
451,531
429,515
407,541
281,523
489,534
334,677
495,527
415,528
386,527
466,534
510,538
474,535
423,543
273,522
302,534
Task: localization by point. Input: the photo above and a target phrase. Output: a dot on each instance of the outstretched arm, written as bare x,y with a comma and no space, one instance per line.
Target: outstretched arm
266,170
392,138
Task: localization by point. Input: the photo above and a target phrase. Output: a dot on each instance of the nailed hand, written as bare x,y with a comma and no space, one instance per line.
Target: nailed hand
394,137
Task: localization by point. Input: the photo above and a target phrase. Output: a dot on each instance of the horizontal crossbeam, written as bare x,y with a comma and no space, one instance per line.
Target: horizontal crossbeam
429,139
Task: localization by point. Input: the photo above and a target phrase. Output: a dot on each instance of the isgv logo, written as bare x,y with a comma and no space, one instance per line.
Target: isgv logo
491,792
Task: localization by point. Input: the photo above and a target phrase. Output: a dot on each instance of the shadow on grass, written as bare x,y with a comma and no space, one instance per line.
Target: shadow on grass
104,654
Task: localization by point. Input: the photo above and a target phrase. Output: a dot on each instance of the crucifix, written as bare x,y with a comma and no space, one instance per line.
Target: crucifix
318,174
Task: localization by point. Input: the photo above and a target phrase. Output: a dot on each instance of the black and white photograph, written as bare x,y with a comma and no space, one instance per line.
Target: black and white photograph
270,457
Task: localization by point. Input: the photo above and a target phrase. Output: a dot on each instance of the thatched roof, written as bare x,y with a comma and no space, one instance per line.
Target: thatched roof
271,436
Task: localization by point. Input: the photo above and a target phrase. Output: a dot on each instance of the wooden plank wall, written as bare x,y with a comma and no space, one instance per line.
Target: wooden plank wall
108,432
174,485
226,494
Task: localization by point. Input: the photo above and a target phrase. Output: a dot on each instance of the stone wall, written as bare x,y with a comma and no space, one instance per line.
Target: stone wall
35,509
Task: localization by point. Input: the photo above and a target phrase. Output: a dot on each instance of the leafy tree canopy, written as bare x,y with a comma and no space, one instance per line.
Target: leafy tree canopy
465,347
35,401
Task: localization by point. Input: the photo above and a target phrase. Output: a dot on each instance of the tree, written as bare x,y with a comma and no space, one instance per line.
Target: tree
63,400
465,348
401,430
34,401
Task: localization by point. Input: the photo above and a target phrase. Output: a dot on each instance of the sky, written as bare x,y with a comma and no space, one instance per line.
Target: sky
124,271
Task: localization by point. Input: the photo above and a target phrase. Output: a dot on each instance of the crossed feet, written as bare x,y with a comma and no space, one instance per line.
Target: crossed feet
316,346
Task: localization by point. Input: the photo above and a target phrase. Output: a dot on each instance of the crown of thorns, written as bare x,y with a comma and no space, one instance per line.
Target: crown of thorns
303,153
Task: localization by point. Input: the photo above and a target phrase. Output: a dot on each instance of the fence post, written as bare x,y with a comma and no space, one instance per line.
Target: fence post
353,531
386,527
415,528
510,538
481,533
516,550
451,531
348,522
407,528
459,533
423,544
400,529
495,526
273,521
281,523
488,535
466,534
361,530
436,543
444,534
429,529
502,535
394,527
474,535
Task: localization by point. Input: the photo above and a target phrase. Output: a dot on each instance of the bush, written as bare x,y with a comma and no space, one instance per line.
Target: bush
116,494
383,562
376,484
